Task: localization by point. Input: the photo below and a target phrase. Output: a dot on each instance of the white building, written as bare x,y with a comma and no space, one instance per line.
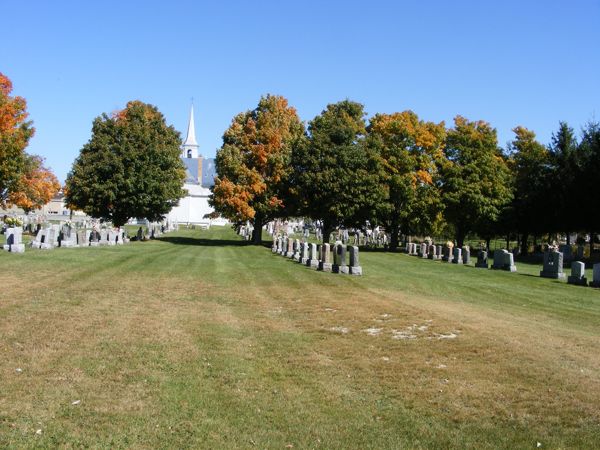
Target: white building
200,174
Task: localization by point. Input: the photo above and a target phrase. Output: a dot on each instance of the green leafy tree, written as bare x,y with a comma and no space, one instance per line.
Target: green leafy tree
129,168
253,165
409,151
476,179
334,175
530,163
15,132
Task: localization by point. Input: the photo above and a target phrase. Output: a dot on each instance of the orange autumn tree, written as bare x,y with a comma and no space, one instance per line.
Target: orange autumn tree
409,151
36,186
15,132
254,163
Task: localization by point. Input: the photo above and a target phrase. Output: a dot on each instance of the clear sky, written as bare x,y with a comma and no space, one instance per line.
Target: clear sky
529,63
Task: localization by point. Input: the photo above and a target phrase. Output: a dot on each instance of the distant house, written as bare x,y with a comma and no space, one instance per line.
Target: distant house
200,175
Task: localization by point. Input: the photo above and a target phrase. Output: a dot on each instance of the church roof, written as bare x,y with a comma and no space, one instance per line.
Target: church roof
191,131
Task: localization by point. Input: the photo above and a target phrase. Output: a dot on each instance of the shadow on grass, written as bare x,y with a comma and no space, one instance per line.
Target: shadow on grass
181,240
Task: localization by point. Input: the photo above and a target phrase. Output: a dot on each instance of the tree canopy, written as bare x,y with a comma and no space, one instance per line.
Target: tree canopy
253,164
334,174
15,132
409,152
476,180
36,186
129,168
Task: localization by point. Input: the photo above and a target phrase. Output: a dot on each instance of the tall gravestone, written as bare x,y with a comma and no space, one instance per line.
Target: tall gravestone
596,276
296,249
325,263
466,256
457,256
553,265
432,252
339,259
14,243
313,260
290,248
423,250
355,268
304,257
577,274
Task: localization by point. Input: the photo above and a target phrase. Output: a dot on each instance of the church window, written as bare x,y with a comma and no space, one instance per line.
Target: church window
189,153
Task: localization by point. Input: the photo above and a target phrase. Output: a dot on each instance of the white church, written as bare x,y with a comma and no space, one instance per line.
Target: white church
200,175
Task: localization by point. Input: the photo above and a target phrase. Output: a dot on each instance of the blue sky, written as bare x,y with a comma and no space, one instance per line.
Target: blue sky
511,63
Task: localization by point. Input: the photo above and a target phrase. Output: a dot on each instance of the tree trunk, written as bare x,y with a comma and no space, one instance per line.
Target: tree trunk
568,238
508,242
326,231
524,246
591,243
460,236
394,238
257,230
488,243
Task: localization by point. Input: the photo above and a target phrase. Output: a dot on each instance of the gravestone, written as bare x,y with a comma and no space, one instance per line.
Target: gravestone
466,256
553,265
498,263
304,253
49,239
103,237
313,260
284,245
509,262
39,239
596,276
14,243
424,250
290,248
567,252
355,268
432,252
325,263
140,234
415,250
482,259
297,250
438,252
577,274
339,259
457,256
82,238
274,246
407,251
448,255
112,237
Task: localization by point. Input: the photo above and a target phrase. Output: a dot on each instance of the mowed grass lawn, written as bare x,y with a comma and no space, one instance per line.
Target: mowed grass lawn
197,340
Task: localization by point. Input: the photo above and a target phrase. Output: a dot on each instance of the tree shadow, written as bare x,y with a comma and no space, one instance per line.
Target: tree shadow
182,240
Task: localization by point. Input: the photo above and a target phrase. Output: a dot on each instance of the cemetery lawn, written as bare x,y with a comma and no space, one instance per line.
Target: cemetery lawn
197,340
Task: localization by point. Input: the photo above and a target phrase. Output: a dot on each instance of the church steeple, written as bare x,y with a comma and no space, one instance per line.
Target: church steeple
189,149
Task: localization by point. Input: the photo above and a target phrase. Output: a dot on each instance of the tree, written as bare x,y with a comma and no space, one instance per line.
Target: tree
334,175
253,163
15,132
587,179
409,151
530,162
36,187
476,180
129,168
565,160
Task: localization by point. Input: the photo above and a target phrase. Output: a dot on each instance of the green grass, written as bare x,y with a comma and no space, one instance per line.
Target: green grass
197,340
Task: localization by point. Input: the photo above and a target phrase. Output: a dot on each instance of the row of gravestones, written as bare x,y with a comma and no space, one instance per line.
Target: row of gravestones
320,257
503,259
553,268
56,236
